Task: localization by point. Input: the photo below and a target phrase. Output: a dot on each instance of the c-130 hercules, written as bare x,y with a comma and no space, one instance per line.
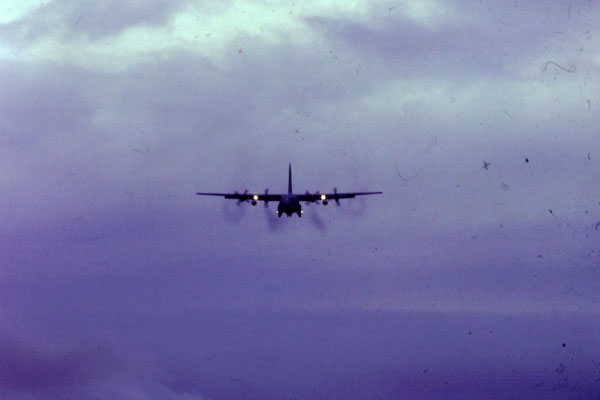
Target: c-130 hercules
289,203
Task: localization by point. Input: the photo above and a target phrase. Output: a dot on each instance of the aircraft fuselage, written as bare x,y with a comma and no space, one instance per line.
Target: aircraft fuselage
289,204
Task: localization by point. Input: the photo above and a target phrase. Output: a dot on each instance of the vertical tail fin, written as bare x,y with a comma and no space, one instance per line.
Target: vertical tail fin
290,180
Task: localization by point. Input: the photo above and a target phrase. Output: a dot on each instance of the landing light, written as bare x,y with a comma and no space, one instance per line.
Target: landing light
323,197
255,197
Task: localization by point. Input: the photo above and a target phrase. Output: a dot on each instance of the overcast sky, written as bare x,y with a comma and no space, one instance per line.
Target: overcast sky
475,275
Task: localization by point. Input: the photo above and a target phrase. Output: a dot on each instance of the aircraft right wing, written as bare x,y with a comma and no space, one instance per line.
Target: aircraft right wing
241,197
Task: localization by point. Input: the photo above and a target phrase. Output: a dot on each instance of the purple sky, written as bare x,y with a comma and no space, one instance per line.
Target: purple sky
117,282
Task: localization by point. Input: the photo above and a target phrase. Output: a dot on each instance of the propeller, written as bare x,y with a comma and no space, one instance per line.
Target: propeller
266,197
337,199
316,198
243,198
309,201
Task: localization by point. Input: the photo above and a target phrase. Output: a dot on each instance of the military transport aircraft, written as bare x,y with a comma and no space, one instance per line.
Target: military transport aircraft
289,203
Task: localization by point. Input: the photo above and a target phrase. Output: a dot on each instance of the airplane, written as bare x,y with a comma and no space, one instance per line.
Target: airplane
289,203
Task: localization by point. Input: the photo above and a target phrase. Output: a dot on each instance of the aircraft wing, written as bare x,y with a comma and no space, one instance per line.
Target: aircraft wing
245,196
332,196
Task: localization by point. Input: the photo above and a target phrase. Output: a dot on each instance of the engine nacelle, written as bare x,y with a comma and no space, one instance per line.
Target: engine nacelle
325,202
253,202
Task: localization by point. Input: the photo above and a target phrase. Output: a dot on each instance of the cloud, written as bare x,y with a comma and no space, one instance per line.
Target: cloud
26,370
69,20
48,368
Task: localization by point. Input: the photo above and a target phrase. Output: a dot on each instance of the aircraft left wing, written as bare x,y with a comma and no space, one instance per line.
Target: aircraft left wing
332,196
266,197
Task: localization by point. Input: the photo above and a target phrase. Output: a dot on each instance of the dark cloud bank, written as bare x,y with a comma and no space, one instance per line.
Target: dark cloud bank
308,354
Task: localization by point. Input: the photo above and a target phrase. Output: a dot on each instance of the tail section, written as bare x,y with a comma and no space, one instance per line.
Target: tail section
290,180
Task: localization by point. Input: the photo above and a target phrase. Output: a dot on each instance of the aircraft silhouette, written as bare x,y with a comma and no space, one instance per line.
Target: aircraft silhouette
289,203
